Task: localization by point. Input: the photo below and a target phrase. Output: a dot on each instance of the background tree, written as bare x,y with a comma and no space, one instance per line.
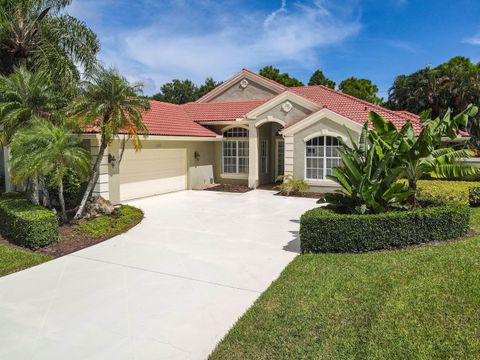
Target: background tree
184,91
362,89
50,151
454,84
38,35
283,78
177,92
207,86
111,103
319,78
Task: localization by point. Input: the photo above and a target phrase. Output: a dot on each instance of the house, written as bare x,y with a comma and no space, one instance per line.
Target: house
248,131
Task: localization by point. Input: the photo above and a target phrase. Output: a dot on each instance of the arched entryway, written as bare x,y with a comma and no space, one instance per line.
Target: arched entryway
270,152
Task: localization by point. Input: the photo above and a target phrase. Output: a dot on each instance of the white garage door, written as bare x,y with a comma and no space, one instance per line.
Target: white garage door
152,172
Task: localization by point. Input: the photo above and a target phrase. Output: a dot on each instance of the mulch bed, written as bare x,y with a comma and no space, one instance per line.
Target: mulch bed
70,241
230,188
310,195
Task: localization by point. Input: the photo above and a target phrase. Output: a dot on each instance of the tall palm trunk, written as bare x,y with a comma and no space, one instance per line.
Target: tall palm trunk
34,193
61,199
44,191
93,180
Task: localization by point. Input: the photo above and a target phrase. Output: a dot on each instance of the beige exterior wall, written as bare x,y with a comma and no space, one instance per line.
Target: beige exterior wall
237,92
296,114
296,151
102,186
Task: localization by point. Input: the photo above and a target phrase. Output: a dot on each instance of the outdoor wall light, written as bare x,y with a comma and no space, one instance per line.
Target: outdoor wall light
111,160
196,155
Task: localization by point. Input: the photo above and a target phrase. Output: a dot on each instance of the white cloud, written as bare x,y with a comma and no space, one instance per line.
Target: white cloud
475,40
218,38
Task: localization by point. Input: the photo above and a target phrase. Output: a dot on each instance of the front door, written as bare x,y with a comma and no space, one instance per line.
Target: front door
279,157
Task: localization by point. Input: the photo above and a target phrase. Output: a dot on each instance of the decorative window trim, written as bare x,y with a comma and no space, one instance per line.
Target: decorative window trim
236,143
324,132
323,180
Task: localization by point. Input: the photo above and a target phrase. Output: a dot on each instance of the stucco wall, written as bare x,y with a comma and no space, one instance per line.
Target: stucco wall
218,161
252,91
204,148
295,114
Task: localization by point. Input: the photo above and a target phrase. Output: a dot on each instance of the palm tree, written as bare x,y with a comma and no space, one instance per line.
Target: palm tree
39,35
49,150
110,103
24,96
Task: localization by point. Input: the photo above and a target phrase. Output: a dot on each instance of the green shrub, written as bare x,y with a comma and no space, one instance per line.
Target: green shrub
441,190
291,186
474,196
26,224
322,230
124,218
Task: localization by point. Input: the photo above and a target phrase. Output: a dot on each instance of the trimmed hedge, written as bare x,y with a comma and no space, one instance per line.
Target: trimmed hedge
26,224
442,190
323,230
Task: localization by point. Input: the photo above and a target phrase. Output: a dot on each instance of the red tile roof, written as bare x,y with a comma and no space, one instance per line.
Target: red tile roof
170,120
218,111
353,108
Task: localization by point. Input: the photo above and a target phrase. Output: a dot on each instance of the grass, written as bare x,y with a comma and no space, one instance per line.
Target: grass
14,259
125,218
421,303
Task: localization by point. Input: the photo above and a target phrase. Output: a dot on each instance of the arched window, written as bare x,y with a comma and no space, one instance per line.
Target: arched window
320,157
235,151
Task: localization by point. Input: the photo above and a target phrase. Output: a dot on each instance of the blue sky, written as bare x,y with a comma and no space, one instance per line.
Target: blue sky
156,41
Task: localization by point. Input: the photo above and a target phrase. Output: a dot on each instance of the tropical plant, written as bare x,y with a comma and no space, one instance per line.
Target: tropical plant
368,177
112,105
48,150
420,155
289,185
24,96
184,91
38,35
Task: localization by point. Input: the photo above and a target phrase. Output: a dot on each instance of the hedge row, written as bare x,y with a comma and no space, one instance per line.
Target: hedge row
442,190
323,230
26,224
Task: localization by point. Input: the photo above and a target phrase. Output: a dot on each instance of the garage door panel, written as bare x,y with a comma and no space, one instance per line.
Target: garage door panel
151,172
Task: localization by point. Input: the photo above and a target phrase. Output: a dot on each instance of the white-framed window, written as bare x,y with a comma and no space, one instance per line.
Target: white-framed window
235,151
264,156
321,157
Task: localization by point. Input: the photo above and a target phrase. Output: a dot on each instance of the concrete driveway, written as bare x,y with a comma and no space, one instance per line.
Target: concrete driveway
168,289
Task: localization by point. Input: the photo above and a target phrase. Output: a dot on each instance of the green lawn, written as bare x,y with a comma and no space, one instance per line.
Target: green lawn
13,259
112,225
419,303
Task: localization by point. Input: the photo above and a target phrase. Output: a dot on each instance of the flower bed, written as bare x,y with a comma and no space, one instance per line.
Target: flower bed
323,230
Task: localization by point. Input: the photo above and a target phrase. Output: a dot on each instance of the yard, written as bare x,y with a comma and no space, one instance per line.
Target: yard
421,303
72,238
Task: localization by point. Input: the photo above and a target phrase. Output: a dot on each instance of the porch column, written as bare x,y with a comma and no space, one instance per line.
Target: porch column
252,156
6,169
288,164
